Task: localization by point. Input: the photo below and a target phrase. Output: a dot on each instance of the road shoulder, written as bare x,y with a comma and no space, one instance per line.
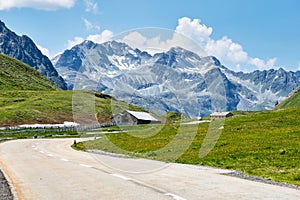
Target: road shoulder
5,189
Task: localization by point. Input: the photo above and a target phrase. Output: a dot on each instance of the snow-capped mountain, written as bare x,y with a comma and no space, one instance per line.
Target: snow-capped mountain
24,49
93,60
259,90
176,80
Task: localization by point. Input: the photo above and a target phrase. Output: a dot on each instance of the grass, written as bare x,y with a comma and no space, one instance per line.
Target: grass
79,146
27,97
291,102
26,107
56,106
16,75
264,144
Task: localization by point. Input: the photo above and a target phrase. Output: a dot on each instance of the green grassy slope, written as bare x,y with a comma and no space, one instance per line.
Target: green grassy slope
27,97
28,107
292,101
15,75
262,144
24,106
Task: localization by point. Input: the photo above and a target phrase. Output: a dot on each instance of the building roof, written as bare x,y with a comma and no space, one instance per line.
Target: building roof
142,115
220,114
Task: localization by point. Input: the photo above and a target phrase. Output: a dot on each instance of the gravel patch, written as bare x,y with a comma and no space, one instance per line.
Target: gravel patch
5,191
240,174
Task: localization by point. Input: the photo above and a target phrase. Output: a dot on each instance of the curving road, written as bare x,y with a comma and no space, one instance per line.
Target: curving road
51,169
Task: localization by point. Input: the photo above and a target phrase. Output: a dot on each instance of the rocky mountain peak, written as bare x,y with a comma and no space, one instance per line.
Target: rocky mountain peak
24,49
179,51
88,44
2,27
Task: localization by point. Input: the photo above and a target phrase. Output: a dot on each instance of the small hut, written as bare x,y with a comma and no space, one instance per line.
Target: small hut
128,117
217,115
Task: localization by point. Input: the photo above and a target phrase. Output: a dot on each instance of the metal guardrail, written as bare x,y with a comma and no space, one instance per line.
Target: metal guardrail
18,130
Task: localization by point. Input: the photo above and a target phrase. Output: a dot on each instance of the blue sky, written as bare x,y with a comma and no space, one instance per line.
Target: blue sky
244,35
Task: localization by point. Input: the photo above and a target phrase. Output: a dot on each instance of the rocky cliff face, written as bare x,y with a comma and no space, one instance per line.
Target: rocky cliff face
176,80
24,49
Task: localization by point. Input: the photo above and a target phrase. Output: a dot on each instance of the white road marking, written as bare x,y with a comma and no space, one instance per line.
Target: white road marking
83,165
50,155
63,159
41,152
174,196
121,177
33,146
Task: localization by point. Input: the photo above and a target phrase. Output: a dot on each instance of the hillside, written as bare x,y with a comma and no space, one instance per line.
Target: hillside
27,97
264,144
25,50
15,75
292,101
29,107
57,106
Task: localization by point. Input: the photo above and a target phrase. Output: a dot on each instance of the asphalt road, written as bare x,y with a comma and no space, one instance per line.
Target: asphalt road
51,169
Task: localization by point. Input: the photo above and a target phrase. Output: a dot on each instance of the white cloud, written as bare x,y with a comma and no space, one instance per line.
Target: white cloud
194,29
224,49
89,26
184,36
44,51
91,6
155,44
192,35
72,43
234,54
100,38
135,39
261,64
106,35
36,4
299,65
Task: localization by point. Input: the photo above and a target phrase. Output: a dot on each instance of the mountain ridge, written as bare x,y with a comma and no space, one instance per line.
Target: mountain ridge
292,101
16,75
175,80
25,50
